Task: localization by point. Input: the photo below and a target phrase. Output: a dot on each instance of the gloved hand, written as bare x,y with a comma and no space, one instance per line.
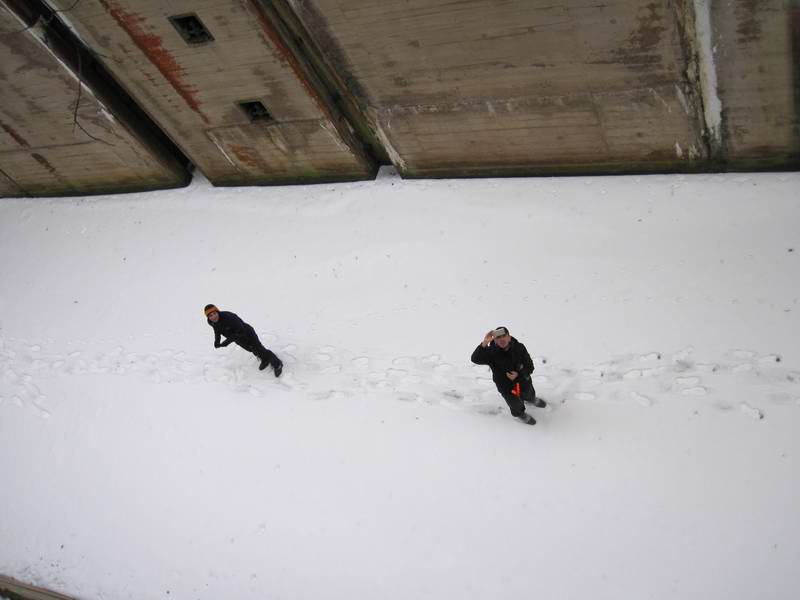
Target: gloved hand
217,345
225,343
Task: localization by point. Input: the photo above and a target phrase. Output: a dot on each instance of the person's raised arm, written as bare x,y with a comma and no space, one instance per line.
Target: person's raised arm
481,354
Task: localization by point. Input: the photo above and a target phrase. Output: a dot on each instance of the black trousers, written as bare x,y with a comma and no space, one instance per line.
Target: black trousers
250,342
517,403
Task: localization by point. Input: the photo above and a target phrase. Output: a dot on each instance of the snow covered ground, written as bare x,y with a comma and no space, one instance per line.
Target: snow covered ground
138,462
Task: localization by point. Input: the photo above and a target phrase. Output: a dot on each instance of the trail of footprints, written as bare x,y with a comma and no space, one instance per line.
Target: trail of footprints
329,373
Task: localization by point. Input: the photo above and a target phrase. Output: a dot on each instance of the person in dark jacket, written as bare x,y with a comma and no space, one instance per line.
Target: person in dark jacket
511,367
235,330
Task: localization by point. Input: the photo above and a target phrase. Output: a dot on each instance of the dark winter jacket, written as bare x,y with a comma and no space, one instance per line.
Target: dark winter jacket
514,358
232,327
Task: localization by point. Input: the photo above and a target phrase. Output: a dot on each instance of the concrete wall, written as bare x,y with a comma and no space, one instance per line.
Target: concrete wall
439,88
14,589
193,91
758,68
43,151
480,87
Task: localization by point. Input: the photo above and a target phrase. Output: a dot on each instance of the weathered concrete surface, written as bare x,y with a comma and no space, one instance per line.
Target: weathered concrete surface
473,87
42,151
758,70
18,590
193,91
439,87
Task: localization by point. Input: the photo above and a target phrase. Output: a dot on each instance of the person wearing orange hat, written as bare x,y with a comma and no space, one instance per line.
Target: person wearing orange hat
511,367
235,330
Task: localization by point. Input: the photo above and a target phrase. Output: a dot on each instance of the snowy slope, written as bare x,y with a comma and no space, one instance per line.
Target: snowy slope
136,461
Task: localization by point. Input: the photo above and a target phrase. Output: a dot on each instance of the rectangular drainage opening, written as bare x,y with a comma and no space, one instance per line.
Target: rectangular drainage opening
191,29
256,111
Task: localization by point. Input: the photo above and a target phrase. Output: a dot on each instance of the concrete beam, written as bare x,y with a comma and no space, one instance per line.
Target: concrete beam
14,589
64,129
194,91
518,87
757,54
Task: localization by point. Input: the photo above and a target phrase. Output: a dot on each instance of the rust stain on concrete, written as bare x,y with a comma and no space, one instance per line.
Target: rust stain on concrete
648,35
14,134
294,65
749,28
152,47
641,51
247,156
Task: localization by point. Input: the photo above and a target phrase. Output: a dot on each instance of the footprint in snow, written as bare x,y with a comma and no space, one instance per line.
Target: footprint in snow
362,362
695,391
687,380
683,354
287,381
585,396
323,357
770,358
403,361
751,411
408,397
330,369
641,399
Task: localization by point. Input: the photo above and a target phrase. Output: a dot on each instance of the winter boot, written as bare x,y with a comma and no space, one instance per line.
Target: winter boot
537,402
264,364
278,367
526,418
